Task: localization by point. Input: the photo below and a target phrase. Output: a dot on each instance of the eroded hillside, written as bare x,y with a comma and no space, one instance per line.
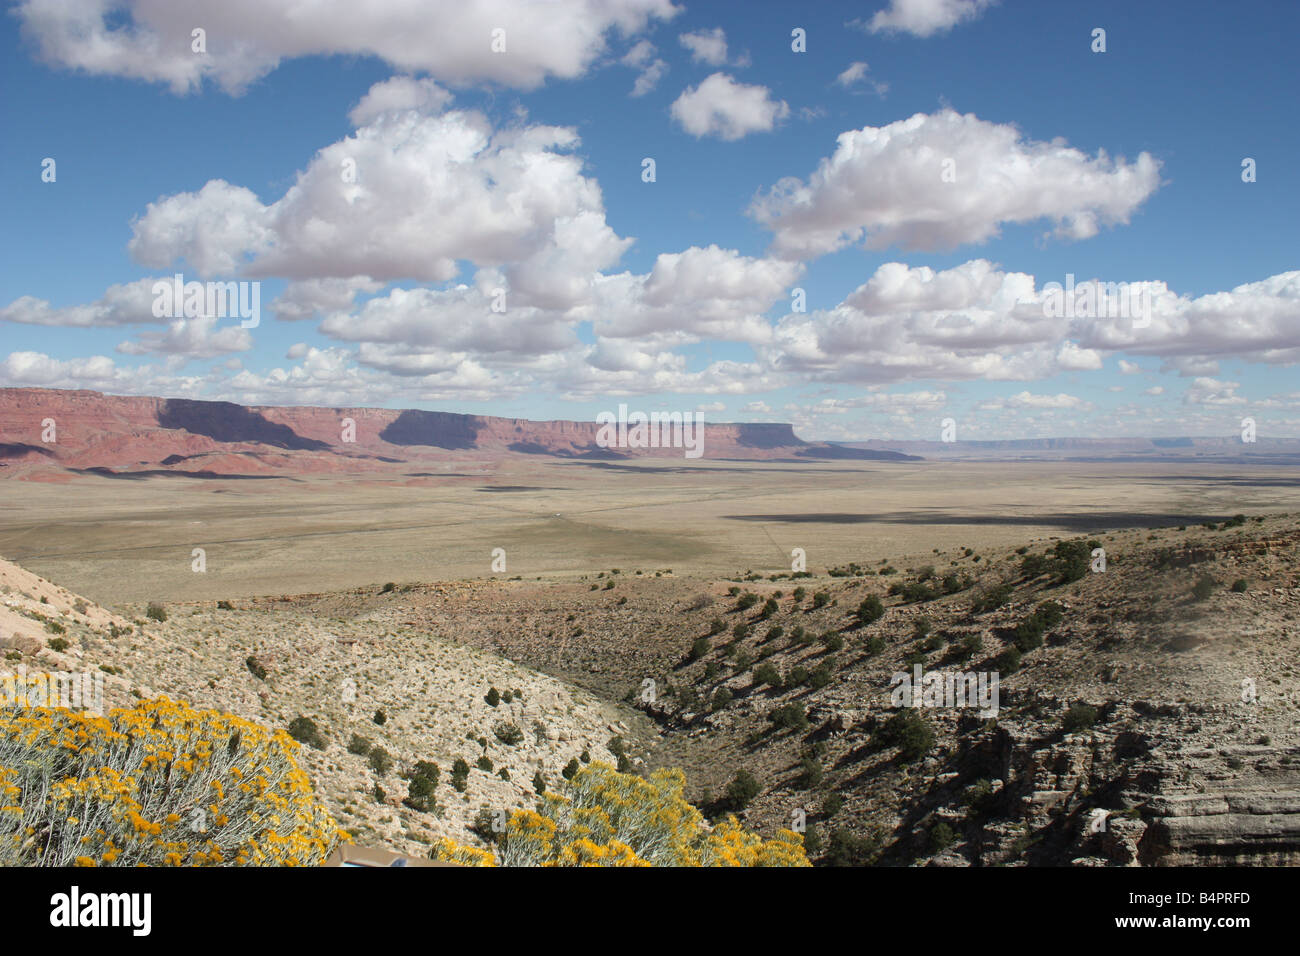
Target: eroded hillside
382,696
1142,718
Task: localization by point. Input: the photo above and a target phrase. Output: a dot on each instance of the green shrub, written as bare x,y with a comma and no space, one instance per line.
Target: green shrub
1073,559
1028,634
847,848
952,583
485,825
701,647
1239,586
1204,587
742,789
428,770
721,698
1008,662
909,732
979,795
992,599
509,734
810,772
812,839
1049,613
156,612
493,697
789,717
916,592
359,745
767,674
255,667
380,760
305,731
57,644
420,794
941,837
871,609
1034,565
1078,717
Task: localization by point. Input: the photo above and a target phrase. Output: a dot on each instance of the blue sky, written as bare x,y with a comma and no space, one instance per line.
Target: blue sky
521,170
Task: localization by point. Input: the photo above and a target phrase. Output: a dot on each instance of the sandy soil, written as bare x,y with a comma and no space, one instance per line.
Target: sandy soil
117,540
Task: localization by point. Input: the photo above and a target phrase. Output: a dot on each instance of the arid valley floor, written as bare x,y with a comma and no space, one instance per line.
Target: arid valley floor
130,538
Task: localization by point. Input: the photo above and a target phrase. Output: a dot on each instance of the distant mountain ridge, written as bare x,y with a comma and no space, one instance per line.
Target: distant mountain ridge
1223,449
140,435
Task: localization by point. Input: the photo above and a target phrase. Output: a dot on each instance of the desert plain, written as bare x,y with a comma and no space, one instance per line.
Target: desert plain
132,538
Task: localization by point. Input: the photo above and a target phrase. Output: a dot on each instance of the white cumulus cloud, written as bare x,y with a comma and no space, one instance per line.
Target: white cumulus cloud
924,18
721,107
408,196
706,46
886,186
244,40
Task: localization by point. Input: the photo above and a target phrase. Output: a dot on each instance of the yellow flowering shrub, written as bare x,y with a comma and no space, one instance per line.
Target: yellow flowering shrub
607,818
159,784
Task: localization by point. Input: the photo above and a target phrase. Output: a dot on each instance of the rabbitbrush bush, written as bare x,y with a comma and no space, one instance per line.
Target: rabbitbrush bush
159,784
606,818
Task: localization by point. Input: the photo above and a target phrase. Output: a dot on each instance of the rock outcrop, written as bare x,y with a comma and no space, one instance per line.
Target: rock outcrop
53,432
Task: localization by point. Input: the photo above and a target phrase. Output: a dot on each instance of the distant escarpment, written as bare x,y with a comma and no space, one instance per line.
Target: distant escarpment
49,433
